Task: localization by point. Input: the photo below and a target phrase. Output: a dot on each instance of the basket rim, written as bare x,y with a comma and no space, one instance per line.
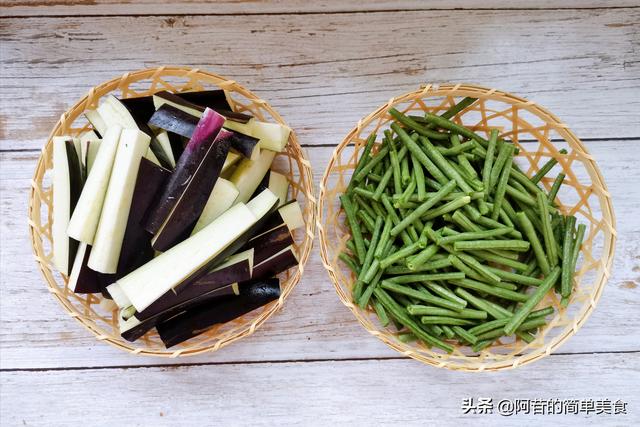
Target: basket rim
48,271
469,89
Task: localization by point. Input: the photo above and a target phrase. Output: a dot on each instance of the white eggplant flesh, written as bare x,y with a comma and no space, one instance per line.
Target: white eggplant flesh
150,281
115,113
119,297
245,128
93,147
279,185
231,160
107,242
96,120
291,214
65,187
272,136
249,174
85,218
163,139
159,101
222,197
89,135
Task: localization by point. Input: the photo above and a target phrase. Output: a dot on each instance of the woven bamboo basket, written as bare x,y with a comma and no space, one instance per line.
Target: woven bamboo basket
91,310
539,135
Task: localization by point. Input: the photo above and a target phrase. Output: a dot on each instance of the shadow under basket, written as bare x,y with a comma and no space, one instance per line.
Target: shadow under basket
539,135
90,309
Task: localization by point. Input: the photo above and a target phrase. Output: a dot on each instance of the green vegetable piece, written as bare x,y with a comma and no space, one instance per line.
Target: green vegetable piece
535,298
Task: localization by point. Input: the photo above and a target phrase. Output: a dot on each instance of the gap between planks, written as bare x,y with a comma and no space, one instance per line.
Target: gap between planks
275,362
522,141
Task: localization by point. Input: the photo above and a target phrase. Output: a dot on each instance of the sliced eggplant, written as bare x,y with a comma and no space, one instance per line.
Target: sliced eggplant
262,206
249,173
195,321
290,214
136,244
162,137
279,185
276,264
236,269
140,107
192,157
131,328
67,186
82,279
97,122
165,97
150,281
107,243
84,221
270,243
178,225
272,136
222,197
174,120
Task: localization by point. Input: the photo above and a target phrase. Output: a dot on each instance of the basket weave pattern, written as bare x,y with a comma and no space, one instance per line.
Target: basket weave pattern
89,309
539,135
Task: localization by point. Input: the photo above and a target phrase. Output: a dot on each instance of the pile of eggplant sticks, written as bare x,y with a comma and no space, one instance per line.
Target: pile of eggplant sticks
450,240
169,206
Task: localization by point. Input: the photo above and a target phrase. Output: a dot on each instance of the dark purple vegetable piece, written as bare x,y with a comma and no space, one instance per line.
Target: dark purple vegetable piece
194,321
216,100
140,107
275,265
211,281
269,243
136,244
195,151
228,251
191,202
274,220
243,144
177,144
88,281
75,188
174,120
144,326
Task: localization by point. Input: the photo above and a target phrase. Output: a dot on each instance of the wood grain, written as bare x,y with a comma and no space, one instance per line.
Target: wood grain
146,7
389,392
336,68
37,333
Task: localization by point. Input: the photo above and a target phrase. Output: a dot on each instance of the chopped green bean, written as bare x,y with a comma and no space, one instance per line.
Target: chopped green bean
546,168
471,245
398,312
355,226
440,320
553,193
444,123
445,166
401,254
528,230
547,231
464,334
423,208
491,290
567,261
535,298
467,313
575,253
413,278
416,261
420,155
427,266
381,312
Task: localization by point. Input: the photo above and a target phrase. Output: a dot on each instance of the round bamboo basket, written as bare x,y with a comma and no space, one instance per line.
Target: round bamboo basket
539,135
92,310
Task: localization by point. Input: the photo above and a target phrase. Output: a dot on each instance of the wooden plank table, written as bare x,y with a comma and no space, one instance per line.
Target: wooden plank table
323,66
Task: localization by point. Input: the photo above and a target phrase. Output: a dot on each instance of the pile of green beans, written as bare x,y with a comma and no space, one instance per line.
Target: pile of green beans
450,241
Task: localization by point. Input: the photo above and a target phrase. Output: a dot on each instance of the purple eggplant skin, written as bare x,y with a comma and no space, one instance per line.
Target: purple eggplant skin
189,207
75,188
269,243
194,321
177,144
140,107
88,280
226,252
216,280
205,134
136,244
275,265
274,220
214,99
149,323
243,143
174,120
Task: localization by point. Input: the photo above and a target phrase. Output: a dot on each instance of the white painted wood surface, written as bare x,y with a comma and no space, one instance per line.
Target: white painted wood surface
312,363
